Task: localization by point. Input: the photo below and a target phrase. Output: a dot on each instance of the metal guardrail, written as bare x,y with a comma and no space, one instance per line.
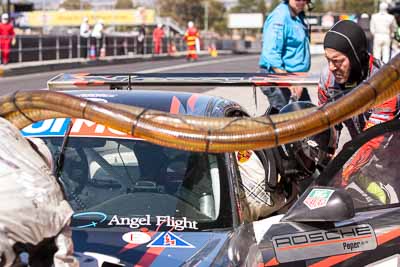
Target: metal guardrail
29,48
54,47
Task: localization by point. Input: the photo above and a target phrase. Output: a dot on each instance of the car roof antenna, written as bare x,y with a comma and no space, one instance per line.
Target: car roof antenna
60,158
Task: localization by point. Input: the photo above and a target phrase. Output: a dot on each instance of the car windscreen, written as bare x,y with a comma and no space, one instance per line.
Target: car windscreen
367,167
131,178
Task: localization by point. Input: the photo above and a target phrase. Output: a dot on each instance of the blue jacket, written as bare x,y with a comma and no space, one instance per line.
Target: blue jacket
285,41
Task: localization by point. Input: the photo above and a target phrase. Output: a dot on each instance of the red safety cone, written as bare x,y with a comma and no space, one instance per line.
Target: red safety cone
92,52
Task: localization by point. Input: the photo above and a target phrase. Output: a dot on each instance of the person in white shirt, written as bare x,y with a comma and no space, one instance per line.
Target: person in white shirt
382,26
84,36
97,35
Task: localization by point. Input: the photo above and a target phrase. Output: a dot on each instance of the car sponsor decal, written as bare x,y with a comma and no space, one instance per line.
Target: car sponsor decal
169,240
168,221
183,105
318,198
323,243
130,246
136,238
95,217
80,128
243,156
382,239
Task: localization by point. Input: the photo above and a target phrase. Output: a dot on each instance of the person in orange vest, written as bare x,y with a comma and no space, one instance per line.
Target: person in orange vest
7,37
158,35
190,37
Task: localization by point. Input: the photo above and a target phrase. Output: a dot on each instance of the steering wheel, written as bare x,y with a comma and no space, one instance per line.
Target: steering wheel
122,180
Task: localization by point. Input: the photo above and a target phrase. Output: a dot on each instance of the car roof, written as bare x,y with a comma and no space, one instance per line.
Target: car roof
168,101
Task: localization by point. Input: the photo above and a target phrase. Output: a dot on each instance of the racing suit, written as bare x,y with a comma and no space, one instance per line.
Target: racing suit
6,36
191,35
158,35
261,199
329,90
285,46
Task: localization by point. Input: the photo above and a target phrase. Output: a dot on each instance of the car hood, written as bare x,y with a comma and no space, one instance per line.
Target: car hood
124,247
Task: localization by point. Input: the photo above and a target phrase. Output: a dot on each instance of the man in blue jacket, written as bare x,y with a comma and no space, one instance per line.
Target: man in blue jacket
285,49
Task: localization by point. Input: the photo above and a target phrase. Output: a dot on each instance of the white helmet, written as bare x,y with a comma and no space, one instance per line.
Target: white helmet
383,7
190,24
4,17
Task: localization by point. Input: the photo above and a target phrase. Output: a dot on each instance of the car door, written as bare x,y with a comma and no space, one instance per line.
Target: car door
349,216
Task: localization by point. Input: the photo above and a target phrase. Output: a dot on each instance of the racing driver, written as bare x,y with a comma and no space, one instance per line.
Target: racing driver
349,63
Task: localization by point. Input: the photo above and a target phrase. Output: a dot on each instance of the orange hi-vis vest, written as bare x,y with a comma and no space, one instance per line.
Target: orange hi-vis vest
190,36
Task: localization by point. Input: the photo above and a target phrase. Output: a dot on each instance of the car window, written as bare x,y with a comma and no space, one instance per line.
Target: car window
367,167
131,177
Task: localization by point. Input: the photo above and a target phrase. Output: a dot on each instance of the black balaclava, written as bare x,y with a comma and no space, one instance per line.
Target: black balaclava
347,37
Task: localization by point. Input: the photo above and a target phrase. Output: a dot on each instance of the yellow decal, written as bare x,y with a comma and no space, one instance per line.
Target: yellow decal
74,17
243,156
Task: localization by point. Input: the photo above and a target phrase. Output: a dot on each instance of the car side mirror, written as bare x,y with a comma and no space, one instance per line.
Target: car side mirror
321,204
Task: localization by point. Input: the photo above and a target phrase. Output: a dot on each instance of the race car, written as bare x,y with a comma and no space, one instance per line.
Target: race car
343,224
140,203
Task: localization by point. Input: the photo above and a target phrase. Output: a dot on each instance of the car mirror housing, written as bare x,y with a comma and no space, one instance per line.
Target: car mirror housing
321,204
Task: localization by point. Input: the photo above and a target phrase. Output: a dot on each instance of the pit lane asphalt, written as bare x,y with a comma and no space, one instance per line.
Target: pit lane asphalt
229,63
232,63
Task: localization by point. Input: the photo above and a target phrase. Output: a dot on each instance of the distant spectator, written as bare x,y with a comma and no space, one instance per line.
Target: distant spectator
327,20
158,35
364,23
383,26
141,39
84,37
97,35
7,37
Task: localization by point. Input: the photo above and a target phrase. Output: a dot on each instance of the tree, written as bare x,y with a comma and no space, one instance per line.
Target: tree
249,6
318,6
124,4
75,4
274,4
356,6
217,16
183,11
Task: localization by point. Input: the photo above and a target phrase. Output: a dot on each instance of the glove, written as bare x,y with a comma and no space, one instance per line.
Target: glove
377,192
13,41
373,188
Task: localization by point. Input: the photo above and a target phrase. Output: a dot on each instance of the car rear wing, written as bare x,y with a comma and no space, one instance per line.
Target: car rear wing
125,81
